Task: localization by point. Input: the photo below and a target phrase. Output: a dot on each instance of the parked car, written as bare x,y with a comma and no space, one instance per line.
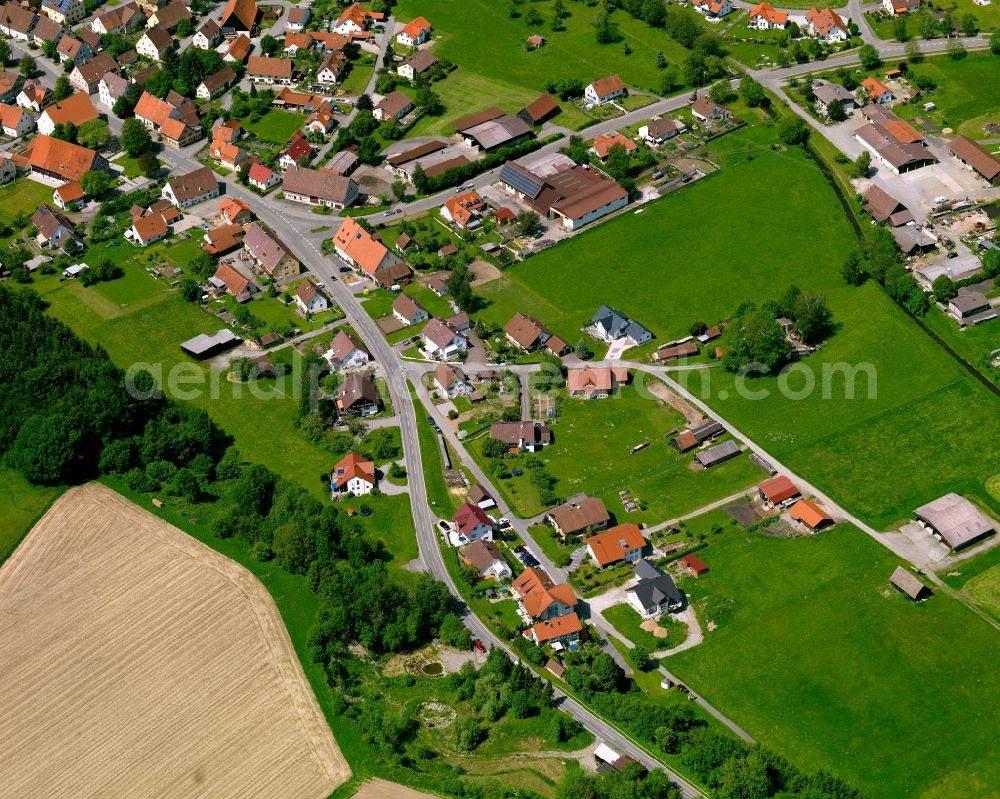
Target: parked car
479,646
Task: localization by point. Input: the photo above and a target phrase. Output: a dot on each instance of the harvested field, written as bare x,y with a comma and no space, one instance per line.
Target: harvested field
138,662
383,789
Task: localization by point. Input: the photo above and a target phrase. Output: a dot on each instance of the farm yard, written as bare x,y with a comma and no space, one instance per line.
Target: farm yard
114,668
829,651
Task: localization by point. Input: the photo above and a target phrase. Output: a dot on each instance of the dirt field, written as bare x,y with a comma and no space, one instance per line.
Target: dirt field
383,789
135,661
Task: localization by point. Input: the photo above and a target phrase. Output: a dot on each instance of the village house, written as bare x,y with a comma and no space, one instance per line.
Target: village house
810,514
208,36
713,10
66,12
354,475
123,19
539,110
414,33
238,50
610,325
763,17
55,230
487,559
464,210
309,299
451,381
269,71
826,93
228,155
562,630
657,131
192,188
15,121
616,544
540,597
319,187
440,339
472,523
72,49
17,22
111,87
395,105
707,111
355,245
85,77
263,177
436,283
297,153
146,230
358,396
239,17
69,196
233,282
333,67
892,142
169,16
59,160
416,65
694,565
885,208
909,584
270,254
408,311
827,26
235,212
525,436
8,170
47,30
343,163
34,96
76,109
479,496
896,7
535,41
654,592
298,18
223,239
875,91
580,515
355,20
154,43
528,334
713,456
347,352
214,85
595,382
602,144
605,90
777,491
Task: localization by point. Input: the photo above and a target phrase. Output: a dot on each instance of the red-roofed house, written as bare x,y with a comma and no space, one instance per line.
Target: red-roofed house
714,10
353,475
235,211
263,177
15,121
895,7
764,16
616,544
595,382
827,25
69,196
472,522
75,109
414,33
602,144
463,210
604,90
777,490
562,629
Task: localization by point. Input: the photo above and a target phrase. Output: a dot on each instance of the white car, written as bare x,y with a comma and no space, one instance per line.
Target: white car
940,200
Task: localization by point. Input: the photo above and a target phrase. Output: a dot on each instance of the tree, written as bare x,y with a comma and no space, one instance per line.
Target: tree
149,165
189,290
468,733
813,319
577,149
460,287
991,263
95,183
527,222
835,110
429,101
4,53
720,92
364,103
928,26
51,49
135,138
754,338
184,28
853,270
899,31
956,50
995,42
532,18
863,164
603,31
617,162
606,673
420,179
944,288
493,448
793,130
661,60
869,56
45,450
399,190
752,92
94,133
454,633
27,66
639,655
582,350
63,89
744,777
969,24
368,150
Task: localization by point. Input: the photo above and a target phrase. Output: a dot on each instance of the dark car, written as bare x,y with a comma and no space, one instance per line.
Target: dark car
516,472
430,420
683,689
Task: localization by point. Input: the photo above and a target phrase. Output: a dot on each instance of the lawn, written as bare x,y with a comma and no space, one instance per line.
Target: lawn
974,344
482,38
379,301
627,621
275,126
985,588
21,505
22,196
925,425
441,499
837,670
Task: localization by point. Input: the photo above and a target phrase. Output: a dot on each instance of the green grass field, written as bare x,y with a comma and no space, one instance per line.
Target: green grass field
21,505
481,37
22,196
627,621
837,670
275,126
985,589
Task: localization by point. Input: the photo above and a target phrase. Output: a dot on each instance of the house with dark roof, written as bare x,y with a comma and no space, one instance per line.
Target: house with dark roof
539,110
826,93
215,84
319,187
580,515
309,298
487,559
440,339
408,311
481,497
416,65
611,325
358,396
885,208
169,16
909,584
657,131
55,230
192,188
395,105
654,591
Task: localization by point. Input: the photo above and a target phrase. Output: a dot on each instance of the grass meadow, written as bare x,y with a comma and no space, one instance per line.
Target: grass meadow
818,657
275,127
21,505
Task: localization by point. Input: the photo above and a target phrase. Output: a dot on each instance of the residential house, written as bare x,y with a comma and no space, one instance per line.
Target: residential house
148,229
298,18
826,93
580,515
319,187
192,188
472,523
605,90
436,283
355,245
358,396
707,111
238,50
347,352
896,7
69,196
827,26
487,559
541,598
657,131
234,282
87,76
177,124
610,325
955,521
408,311
654,592
169,16
15,121
17,22
810,514
416,65
353,475
451,381
525,436
8,171
976,158
414,33
66,12
395,105
93,40
876,91
111,87
228,155
602,144
777,490
440,339
764,17
535,41
356,19
72,49
263,177
223,239
333,67
59,160
713,10
154,43
309,299
76,109
479,496
34,96
595,382
464,210
623,542
970,303
271,71
214,85
208,36
46,30
270,254
529,334
235,212
297,153
123,19
712,456
562,630
239,17
55,230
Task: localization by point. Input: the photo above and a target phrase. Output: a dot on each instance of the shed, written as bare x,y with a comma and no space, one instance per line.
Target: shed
555,668
204,346
810,514
717,454
908,584
956,520
695,564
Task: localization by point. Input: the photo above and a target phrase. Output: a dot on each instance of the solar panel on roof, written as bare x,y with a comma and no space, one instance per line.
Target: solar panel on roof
519,181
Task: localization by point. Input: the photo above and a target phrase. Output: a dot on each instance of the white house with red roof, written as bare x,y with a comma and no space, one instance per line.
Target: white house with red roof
764,17
473,524
713,10
605,90
263,177
895,7
826,25
353,475
414,33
